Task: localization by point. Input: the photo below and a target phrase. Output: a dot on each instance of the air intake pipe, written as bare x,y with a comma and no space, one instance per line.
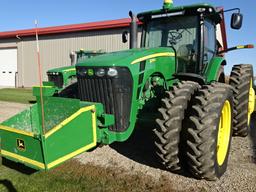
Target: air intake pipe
133,30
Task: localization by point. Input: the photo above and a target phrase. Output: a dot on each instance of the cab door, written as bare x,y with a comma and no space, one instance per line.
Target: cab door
209,38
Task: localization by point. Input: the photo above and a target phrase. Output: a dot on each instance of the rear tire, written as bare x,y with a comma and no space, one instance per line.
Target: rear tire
169,123
209,131
240,79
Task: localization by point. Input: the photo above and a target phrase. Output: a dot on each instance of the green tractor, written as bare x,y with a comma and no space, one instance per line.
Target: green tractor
175,79
65,76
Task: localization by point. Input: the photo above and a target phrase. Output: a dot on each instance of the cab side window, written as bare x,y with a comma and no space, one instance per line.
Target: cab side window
209,41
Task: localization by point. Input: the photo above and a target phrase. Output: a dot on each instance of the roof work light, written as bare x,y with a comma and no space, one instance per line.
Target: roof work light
168,4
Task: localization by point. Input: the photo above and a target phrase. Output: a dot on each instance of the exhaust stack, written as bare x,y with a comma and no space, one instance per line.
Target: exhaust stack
133,30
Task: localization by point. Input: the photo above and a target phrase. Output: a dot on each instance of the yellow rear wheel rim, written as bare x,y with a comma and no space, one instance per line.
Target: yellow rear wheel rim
251,102
224,133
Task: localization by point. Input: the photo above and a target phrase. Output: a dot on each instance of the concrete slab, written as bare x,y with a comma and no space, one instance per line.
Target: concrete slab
9,109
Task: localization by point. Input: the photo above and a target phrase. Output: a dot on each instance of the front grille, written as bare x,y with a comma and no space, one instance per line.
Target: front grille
56,79
115,93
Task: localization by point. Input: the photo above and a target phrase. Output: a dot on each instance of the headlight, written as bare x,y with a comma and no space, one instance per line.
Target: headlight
100,72
81,72
55,73
112,72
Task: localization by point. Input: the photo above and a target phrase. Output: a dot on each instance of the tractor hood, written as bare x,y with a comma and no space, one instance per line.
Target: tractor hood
61,69
128,57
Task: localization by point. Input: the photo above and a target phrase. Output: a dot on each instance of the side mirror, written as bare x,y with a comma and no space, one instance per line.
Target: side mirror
236,20
125,36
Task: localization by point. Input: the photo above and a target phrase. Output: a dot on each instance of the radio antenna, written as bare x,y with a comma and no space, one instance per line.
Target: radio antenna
40,75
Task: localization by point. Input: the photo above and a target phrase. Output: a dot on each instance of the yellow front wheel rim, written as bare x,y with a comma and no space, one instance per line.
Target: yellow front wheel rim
224,133
251,102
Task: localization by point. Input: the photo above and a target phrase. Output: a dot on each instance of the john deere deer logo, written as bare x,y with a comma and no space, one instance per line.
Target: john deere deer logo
20,144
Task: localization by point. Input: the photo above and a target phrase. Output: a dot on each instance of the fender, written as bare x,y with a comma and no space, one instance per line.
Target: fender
211,72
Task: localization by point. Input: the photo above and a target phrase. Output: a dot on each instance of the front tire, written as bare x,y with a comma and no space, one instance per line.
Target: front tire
210,131
169,123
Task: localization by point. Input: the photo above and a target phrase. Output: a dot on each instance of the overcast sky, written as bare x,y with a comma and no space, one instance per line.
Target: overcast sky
21,15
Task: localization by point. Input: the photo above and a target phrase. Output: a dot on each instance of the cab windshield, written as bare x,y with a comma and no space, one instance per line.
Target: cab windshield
178,32
82,56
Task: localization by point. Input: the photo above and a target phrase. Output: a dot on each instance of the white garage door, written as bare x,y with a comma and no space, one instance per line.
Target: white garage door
8,67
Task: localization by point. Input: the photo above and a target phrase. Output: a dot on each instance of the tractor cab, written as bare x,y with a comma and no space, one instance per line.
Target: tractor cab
193,32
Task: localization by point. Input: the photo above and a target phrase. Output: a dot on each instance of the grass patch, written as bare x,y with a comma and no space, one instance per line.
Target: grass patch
73,176
19,95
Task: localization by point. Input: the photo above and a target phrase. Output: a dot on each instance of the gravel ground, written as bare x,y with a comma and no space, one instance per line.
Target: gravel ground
135,156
